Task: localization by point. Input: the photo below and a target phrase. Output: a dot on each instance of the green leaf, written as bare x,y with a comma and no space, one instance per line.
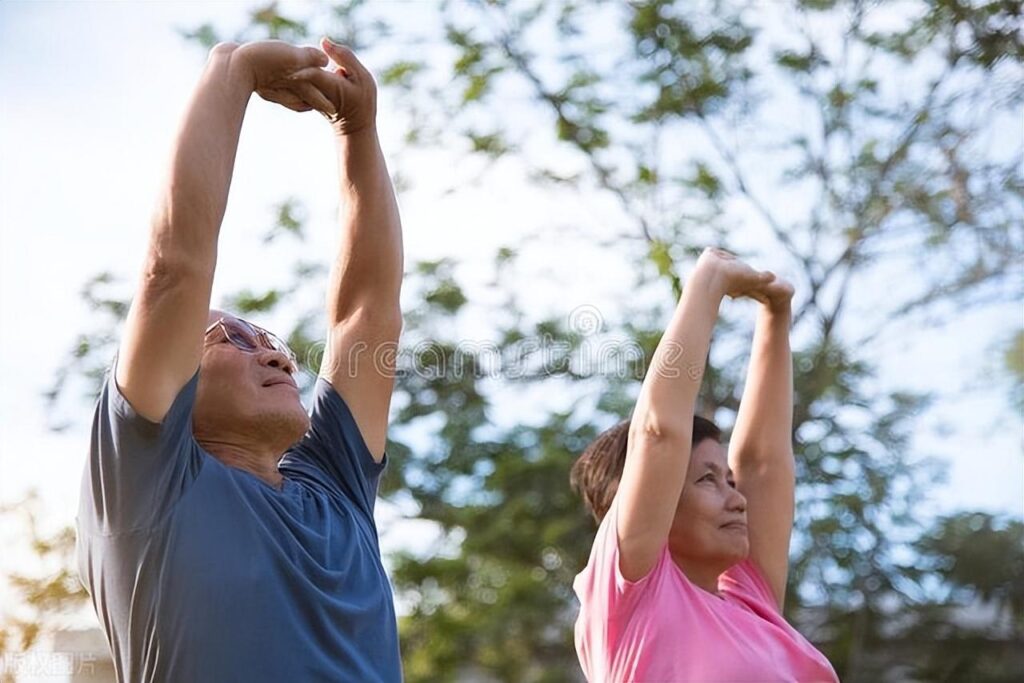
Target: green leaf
276,25
206,35
247,301
659,254
446,295
289,221
477,86
646,175
706,181
491,144
401,73
797,61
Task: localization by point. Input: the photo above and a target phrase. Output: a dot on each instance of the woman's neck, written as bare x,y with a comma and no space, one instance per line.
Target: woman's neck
701,574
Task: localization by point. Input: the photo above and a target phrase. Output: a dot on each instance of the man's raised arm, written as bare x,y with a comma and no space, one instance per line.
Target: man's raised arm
363,314
163,337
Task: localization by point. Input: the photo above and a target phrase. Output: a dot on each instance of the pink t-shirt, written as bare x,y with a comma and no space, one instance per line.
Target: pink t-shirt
663,628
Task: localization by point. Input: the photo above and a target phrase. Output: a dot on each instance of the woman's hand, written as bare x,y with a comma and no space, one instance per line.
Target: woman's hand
776,295
736,279
733,277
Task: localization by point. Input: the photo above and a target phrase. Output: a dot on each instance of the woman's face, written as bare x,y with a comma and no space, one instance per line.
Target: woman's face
710,526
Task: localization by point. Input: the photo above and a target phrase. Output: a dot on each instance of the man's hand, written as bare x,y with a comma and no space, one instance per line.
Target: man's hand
349,88
284,74
295,77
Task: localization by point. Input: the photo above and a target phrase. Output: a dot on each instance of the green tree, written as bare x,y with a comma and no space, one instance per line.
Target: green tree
980,561
838,138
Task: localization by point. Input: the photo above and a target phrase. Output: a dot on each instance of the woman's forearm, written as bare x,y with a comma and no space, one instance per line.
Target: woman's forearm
668,396
764,425
662,425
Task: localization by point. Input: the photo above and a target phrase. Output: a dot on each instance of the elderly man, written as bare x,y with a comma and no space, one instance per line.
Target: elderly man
224,534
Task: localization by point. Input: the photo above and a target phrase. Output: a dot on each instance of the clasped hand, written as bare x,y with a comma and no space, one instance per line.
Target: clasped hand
737,279
301,79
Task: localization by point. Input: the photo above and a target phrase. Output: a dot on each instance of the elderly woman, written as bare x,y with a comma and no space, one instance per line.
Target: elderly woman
687,575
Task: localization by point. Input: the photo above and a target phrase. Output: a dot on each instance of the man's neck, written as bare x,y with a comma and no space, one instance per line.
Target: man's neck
260,462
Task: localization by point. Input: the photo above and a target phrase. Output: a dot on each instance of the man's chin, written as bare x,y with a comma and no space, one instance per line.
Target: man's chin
282,425
299,425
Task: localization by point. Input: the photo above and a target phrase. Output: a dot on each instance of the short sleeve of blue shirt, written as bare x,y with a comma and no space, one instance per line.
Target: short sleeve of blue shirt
137,469
204,572
334,447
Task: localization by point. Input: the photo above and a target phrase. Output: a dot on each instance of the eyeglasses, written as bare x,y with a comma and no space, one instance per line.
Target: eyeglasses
248,337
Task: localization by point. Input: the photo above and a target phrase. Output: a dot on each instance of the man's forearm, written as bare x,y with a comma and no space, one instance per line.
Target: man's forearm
368,270
189,213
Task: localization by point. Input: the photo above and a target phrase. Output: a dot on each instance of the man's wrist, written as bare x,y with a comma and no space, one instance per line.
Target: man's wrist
236,68
364,134
360,147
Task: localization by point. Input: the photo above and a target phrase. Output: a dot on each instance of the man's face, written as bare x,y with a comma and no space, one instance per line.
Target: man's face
710,525
246,396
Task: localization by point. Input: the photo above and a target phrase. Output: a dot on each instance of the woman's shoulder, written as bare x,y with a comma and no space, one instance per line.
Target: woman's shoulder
745,584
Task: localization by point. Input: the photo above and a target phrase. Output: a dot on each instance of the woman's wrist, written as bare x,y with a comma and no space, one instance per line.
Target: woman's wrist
776,316
779,309
710,276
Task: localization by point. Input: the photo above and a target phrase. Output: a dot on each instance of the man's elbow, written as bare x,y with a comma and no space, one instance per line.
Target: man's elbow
167,271
378,321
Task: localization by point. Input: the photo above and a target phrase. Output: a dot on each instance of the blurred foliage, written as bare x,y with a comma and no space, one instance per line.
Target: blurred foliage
49,591
980,559
1013,362
290,221
982,556
855,136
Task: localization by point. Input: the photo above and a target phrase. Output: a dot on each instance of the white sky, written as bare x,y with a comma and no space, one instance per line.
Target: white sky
90,95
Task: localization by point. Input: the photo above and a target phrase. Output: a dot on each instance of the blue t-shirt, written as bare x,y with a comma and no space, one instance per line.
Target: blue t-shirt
203,572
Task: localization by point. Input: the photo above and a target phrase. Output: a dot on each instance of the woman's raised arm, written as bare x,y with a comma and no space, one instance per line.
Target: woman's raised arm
662,424
761,448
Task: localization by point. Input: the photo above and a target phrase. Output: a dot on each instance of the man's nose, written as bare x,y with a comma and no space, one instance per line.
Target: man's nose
276,359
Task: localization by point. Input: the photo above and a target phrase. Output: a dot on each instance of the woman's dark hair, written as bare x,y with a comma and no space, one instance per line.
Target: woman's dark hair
595,474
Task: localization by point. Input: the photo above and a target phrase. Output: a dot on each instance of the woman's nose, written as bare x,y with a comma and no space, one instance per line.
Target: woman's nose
737,501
